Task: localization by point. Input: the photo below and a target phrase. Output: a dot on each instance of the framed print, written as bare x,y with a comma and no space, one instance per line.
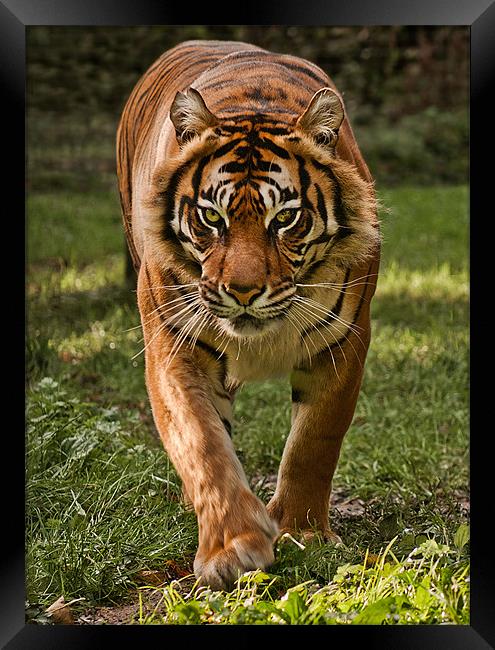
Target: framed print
280,213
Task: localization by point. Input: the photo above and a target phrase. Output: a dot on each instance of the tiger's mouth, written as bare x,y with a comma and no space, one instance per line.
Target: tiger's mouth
246,319
246,325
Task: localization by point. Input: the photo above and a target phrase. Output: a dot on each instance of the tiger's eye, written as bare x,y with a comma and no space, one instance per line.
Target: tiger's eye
284,216
211,215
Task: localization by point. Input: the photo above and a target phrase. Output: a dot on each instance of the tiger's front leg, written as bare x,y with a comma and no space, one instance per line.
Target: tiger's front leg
322,411
190,408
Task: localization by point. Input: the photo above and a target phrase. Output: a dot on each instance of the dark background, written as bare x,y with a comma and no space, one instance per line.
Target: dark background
406,91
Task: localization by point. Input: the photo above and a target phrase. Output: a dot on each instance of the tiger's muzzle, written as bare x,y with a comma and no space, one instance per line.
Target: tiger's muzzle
247,311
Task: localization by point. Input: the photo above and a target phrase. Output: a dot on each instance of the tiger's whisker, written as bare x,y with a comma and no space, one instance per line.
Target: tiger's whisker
327,323
350,283
296,326
328,312
160,329
185,298
344,291
316,307
187,303
225,338
166,323
324,341
327,327
185,331
204,323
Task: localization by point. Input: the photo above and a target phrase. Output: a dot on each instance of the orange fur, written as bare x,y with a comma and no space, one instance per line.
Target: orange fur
251,218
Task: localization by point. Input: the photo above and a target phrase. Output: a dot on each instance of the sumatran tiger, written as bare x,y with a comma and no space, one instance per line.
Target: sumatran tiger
251,219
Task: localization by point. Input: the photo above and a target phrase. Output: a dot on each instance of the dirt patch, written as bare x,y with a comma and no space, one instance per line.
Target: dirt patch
144,602
127,614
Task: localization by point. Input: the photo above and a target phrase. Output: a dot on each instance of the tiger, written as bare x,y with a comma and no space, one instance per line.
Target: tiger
251,219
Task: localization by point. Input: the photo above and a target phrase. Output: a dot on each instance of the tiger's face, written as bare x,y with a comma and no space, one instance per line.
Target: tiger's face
255,206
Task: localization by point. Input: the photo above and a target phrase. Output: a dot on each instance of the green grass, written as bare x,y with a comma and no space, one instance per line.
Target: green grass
428,586
103,502
73,228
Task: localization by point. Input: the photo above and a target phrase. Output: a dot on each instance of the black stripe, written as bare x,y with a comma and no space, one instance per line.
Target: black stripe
169,192
269,307
224,149
274,148
296,263
273,130
339,211
266,166
227,425
354,319
304,179
307,72
198,172
321,239
233,110
232,167
343,338
280,289
297,395
259,119
295,248
320,202
181,236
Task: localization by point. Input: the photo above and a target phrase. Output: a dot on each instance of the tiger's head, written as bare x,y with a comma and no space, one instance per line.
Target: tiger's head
254,204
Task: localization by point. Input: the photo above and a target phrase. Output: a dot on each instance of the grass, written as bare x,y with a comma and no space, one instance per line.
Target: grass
103,512
422,588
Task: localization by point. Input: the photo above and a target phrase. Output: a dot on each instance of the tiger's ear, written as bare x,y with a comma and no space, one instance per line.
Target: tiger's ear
322,118
190,115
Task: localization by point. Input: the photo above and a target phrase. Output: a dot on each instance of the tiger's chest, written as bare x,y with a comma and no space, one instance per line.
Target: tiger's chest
269,357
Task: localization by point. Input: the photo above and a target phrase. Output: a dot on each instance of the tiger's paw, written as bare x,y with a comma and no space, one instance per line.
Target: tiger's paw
310,535
300,525
245,552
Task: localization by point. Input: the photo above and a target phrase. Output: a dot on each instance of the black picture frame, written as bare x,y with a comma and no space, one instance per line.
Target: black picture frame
479,15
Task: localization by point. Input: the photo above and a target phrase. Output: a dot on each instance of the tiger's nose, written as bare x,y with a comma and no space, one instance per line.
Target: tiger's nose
244,295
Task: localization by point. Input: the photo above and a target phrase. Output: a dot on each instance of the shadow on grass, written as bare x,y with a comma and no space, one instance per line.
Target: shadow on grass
420,312
75,309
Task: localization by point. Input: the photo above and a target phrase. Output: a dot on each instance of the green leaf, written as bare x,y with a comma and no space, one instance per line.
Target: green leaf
295,606
423,596
379,611
461,537
188,613
258,577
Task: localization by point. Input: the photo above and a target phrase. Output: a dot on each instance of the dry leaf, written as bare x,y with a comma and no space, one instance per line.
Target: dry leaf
177,570
60,613
152,578
371,560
